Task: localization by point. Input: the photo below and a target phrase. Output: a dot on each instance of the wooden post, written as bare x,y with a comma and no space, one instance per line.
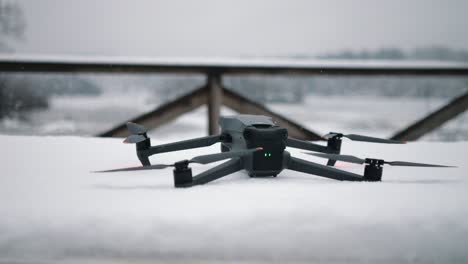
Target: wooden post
214,101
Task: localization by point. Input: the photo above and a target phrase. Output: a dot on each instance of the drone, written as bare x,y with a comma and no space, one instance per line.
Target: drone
256,144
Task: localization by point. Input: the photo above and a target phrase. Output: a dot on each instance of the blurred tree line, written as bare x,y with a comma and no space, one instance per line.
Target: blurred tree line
25,92
12,24
15,95
436,53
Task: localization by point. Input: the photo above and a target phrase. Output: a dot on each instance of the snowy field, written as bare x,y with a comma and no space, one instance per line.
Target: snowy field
54,210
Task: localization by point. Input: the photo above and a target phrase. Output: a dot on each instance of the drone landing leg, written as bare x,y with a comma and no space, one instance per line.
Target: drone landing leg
333,147
141,147
217,172
373,170
304,166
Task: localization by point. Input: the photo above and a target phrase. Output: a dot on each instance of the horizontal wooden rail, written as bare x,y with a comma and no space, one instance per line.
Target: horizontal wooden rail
214,96
237,66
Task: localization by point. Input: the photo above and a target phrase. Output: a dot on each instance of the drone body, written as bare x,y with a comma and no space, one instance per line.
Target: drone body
248,132
256,144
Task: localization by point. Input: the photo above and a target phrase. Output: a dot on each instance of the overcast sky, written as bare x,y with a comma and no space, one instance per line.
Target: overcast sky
238,27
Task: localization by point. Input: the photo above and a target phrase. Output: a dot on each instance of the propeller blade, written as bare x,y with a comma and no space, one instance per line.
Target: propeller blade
413,164
205,159
151,167
355,137
134,139
136,129
353,159
345,158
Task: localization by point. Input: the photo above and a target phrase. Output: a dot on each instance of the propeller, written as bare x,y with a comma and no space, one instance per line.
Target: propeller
137,133
355,137
203,159
353,159
134,139
136,129
150,167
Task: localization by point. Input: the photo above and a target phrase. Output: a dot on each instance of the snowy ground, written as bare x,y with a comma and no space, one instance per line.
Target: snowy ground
54,210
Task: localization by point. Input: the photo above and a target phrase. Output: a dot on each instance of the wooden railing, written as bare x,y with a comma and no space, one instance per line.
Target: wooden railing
214,94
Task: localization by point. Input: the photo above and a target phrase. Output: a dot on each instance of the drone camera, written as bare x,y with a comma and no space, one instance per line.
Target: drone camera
269,161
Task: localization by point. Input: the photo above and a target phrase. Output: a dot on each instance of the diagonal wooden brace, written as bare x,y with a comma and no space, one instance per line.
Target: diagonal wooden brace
164,113
245,105
170,111
434,120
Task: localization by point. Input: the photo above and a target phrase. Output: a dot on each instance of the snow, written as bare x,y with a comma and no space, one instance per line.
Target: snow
55,210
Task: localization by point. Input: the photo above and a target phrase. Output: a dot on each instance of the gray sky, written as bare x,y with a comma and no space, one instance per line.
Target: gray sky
238,27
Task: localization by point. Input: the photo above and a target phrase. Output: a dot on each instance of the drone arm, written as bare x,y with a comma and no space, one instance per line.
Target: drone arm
321,170
301,144
219,171
185,144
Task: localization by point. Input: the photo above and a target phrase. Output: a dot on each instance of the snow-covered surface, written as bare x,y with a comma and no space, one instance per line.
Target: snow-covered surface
251,62
55,210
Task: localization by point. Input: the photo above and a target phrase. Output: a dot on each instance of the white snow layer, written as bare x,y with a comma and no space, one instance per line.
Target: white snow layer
53,209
